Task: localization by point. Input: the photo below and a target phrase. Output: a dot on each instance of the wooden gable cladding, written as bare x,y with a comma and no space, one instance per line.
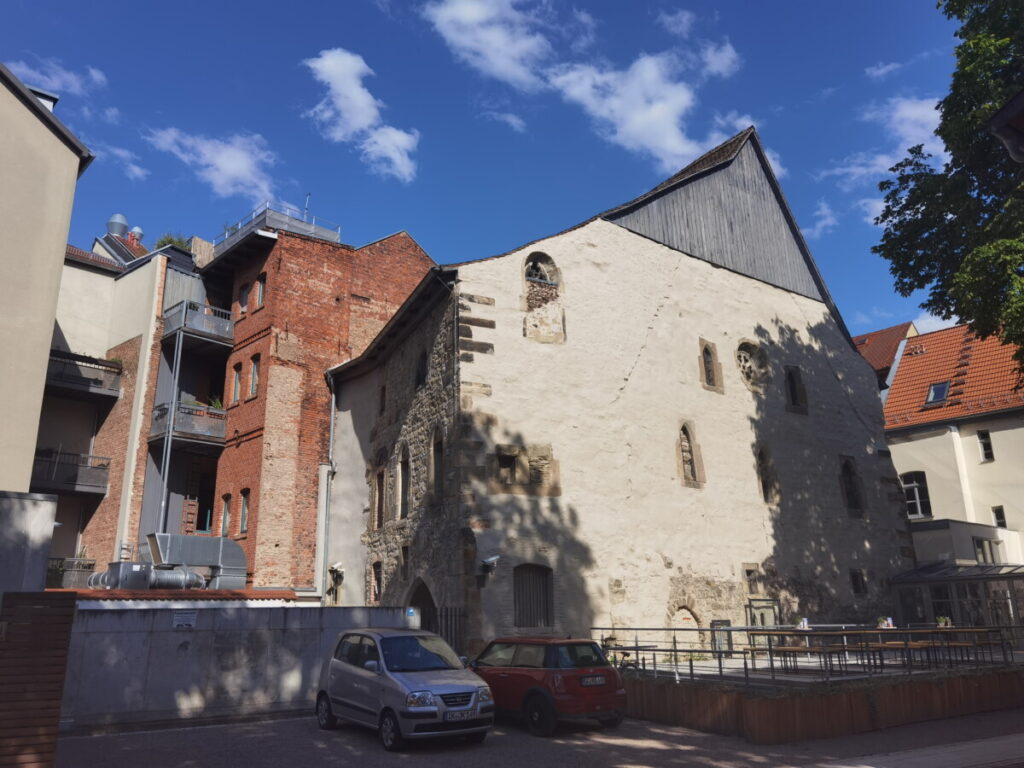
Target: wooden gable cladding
35,632
731,214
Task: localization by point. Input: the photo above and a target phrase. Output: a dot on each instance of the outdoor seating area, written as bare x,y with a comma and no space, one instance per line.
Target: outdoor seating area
804,655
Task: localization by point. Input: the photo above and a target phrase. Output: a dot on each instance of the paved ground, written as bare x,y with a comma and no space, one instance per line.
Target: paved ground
995,739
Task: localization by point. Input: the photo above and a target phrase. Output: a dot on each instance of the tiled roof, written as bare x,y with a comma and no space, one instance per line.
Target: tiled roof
982,377
92,259
879,347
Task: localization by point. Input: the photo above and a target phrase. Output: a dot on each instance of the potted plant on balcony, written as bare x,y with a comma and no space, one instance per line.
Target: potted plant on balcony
77,570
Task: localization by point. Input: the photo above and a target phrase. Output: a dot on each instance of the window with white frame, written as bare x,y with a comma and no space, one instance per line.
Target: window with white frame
985,444
915,489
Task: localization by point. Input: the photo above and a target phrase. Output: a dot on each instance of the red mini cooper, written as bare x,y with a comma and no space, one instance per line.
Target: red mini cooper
547,680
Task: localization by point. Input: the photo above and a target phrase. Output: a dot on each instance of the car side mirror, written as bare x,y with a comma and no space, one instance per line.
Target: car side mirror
372,666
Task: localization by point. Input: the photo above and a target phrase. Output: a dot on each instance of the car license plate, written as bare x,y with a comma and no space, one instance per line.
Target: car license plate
450,716
592,680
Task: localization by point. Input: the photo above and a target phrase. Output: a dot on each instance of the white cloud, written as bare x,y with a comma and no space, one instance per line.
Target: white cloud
582,31
871,207
388,151
233,166
906,122
112,115
350,113
51,75
880,70
926,322
679,23
725,126
872,318
640,108
719,60
494,37
513,121
824,222
128,160
776,163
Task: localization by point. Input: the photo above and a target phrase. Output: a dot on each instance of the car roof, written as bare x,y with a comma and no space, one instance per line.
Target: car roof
542,640
386,632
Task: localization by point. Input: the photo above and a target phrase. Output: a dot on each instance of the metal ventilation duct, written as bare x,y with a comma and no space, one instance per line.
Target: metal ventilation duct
117,225
137,231
174,559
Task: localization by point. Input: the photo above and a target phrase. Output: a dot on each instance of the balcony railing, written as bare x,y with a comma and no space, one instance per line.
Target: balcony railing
55,470
201,318
199,422
84,374
276,216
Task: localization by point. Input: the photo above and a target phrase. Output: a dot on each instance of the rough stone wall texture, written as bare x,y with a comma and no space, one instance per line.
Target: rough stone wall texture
370,440
321,301
99,534
629,543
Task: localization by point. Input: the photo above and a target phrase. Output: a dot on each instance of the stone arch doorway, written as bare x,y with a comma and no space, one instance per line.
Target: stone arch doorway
685,619
424,601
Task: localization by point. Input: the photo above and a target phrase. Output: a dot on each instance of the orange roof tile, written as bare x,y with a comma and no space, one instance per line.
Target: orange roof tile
982,378
879,347
88,257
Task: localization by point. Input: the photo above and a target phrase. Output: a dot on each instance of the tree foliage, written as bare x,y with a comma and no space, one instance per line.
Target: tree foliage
172,239
958,231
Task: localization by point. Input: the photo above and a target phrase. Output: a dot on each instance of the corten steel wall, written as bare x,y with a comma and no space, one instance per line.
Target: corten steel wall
823,713
142,665
318,296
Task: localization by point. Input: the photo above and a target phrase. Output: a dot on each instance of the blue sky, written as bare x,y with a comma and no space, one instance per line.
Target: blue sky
479,125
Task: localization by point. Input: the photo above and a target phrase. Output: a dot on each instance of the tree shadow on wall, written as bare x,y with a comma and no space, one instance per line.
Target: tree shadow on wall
818,410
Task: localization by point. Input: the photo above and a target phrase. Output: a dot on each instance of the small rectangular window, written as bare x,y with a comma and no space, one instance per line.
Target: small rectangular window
236,385
243,299
999,515
243,512
261,289
753,579
378,493
254,376
937,393
377,577
405,563
858,581
382,399
985,443
507,469
225,515
984,551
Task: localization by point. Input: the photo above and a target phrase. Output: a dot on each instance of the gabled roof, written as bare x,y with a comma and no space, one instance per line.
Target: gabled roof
88,258
879,347
982,377
124,249
47,118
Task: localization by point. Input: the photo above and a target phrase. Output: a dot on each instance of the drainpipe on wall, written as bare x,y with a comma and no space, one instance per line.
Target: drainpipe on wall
327,471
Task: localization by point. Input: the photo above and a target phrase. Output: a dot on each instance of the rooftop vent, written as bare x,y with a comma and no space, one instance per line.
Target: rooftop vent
137,231
117,225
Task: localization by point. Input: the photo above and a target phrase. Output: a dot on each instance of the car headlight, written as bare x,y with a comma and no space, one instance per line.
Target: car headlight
484,695
420,699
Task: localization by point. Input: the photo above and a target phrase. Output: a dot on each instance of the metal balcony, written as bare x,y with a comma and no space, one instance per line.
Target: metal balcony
278,216
191,422
81,375
70,472
212,322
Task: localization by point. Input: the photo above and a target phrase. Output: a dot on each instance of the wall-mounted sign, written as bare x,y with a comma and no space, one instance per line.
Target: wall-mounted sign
184,619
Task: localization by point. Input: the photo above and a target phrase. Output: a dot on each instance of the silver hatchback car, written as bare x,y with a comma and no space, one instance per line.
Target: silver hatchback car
405,683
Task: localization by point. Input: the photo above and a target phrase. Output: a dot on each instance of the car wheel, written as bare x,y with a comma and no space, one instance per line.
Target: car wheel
477,738
324,715
540,716
611,722
390,734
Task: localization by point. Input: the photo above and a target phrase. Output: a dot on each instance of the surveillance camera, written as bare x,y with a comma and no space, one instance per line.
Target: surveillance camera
336,568
491,561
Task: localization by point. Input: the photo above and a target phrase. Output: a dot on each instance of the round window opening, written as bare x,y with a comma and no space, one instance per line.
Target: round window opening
753,364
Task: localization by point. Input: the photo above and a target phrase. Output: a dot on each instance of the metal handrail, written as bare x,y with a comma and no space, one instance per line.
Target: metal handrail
70,468
278,207
70,371
197,307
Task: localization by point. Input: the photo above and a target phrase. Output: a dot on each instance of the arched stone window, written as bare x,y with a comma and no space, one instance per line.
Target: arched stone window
691,467
753,364
404,483
850,483
421,370
545,319
796,395
766,476
708,367
533,596
436,477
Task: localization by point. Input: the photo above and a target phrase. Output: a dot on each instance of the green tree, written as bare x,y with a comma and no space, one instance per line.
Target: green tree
958,231
172,239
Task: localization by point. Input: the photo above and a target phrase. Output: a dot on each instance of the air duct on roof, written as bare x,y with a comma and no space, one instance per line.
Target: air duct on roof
117,225
137,231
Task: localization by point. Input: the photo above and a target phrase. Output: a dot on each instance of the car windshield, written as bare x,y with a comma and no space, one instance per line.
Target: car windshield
579,655
418,653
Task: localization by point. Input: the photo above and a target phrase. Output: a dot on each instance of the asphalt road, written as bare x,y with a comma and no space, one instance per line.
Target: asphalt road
990,740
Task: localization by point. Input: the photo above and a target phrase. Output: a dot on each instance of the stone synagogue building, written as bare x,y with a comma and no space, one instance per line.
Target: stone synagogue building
653,418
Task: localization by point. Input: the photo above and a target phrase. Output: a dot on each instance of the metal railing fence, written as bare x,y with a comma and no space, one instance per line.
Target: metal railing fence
261,211
202,318
199,421
70,470
83,373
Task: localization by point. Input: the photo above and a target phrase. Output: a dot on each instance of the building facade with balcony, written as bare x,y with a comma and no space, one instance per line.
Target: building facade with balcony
954,421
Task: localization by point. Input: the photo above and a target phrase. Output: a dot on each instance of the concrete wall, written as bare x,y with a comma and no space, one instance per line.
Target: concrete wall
39,175
136,665
630,542
26,529
83,311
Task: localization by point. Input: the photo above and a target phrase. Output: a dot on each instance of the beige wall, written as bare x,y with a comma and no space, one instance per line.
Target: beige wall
83,311
610,401
39,175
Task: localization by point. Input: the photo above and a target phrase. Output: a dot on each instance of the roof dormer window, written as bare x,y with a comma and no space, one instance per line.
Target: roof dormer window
937,393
